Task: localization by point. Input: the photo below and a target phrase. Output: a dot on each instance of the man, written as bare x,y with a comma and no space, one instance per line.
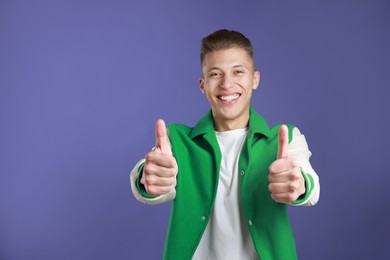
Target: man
231,177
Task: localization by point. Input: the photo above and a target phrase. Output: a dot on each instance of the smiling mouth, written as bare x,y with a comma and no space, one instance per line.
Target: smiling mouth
229,98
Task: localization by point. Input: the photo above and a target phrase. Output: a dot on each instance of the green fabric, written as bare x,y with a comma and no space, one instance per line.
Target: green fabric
309,183
198,157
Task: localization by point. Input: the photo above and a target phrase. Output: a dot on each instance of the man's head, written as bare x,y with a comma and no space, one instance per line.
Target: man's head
228,78
225,39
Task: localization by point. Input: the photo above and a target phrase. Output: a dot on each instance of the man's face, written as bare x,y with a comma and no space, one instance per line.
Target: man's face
228,80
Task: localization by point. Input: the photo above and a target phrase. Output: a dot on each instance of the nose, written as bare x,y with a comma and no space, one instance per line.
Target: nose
227,82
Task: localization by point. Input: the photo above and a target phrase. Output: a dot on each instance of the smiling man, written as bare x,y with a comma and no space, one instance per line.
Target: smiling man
230,177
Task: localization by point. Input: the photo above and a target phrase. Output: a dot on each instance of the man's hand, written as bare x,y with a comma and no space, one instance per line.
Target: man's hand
160,170
286,181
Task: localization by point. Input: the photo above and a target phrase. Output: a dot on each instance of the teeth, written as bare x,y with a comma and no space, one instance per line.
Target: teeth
229,98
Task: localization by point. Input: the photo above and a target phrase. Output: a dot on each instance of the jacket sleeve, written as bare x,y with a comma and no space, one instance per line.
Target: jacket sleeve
299,150
139,191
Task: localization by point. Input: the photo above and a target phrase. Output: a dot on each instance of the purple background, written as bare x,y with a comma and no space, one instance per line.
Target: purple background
82,83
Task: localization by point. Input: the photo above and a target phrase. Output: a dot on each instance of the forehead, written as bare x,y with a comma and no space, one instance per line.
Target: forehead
227,58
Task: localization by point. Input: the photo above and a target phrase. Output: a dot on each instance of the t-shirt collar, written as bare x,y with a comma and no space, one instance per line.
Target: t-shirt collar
257,125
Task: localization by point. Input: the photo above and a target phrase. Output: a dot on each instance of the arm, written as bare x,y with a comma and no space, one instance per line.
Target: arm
292,179
299,151
153,179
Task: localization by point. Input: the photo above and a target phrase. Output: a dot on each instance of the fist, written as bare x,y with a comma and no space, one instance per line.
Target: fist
160,170
286,182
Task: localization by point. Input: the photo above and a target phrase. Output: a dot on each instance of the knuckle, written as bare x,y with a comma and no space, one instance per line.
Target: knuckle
293,175
153,190
271,168
295,163
172,162
149,180
292,186
290,198
157,190
296,176
149,157
172,173
289,160
148,169
170,182
276,197
168,189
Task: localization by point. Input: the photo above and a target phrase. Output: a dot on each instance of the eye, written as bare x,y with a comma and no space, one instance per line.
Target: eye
214,74
238,72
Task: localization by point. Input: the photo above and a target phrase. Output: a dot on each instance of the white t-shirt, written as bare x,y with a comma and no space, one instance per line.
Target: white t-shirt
226,235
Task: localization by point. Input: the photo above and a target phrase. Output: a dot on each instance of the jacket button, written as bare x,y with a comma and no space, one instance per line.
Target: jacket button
203,218
242,173
250,222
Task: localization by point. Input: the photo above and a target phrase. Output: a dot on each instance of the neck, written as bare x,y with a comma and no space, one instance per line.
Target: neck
232,124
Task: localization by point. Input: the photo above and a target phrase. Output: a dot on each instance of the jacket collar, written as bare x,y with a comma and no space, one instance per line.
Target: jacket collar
257,125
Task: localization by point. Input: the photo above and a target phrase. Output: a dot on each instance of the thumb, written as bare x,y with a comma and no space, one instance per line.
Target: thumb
283,142
161,137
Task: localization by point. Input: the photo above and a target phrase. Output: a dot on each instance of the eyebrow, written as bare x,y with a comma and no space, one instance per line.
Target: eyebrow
234,67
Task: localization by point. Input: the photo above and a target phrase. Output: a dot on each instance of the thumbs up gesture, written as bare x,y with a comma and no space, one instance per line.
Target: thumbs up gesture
286,181
160,170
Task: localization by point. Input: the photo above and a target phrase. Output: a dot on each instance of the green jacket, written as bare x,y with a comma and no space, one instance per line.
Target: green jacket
198,157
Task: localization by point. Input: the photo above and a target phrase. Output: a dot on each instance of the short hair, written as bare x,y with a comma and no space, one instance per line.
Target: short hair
225,39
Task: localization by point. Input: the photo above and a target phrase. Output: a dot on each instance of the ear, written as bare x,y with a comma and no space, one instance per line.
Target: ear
201,85
256,79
